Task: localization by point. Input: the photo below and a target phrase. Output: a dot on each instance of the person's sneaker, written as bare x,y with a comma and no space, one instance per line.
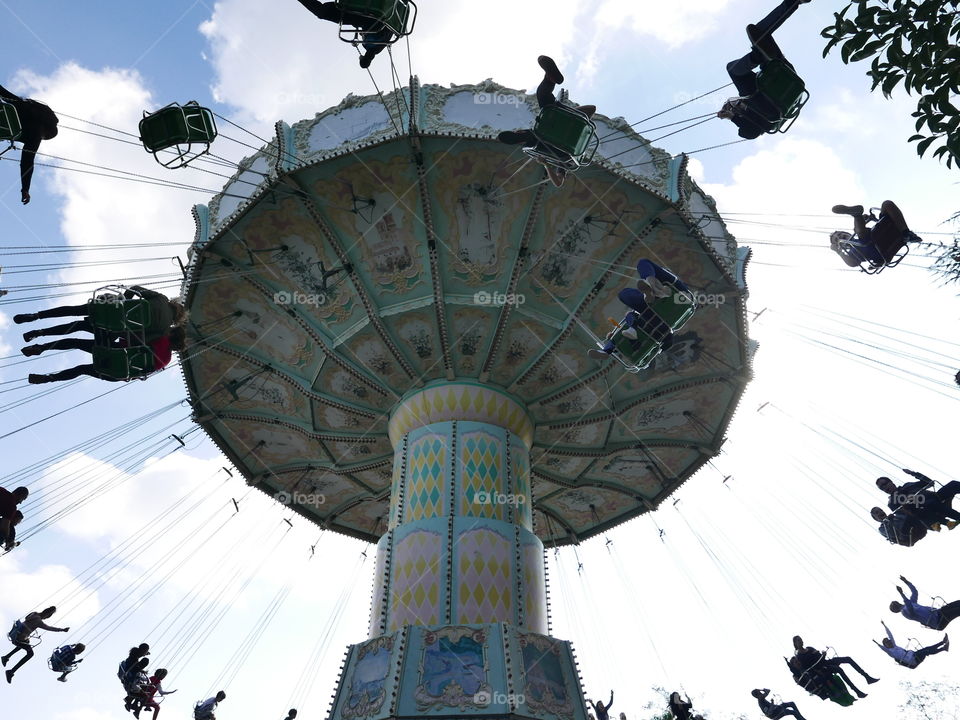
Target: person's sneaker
598,354
550,69
630,333
871,680
4,661
30,336
62,679
31,350
587,110
855,210
946,641
25,318
37,379
9,674
935,527
365,61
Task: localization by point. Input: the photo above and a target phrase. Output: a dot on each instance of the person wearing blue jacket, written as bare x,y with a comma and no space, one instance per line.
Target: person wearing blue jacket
910,658
931,617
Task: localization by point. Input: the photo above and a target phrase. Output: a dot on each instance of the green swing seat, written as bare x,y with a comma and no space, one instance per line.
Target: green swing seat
396,16
123,363
874,258
780,84
838,693
10,127
178,127
566,137
120,315
636,355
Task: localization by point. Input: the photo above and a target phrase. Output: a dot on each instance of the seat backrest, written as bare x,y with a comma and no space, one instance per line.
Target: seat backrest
564,128
674,313
120,316
200,124
887,239
164,128
379,9
782,86
123,363
10,128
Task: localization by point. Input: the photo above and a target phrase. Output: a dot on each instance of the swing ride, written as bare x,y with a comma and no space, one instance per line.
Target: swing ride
475,275
389,312
440,382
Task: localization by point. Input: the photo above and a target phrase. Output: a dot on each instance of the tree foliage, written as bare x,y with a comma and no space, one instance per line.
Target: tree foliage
913,41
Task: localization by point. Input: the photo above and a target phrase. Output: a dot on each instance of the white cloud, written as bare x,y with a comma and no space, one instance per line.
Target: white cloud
250,40
5,324
83,714
38,588
791,176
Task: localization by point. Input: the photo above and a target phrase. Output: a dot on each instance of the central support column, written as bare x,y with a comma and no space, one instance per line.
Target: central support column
459,617
461,547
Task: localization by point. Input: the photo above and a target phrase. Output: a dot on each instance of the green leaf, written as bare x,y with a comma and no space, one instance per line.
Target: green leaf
890,82
869,49
924,144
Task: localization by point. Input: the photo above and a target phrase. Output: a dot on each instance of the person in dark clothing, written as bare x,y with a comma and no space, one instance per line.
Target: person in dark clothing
545,97
877,245
755,115
135,681
291,715
376,36
810,659
64,659
164,314
910,658
11,541
900,528
931,617
8,515
775,711
39,123
679,707
922,502
602,710
20,637
655,282
133,657
162,349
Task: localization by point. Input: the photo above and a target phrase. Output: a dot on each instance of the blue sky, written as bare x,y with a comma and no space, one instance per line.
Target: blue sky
789,548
